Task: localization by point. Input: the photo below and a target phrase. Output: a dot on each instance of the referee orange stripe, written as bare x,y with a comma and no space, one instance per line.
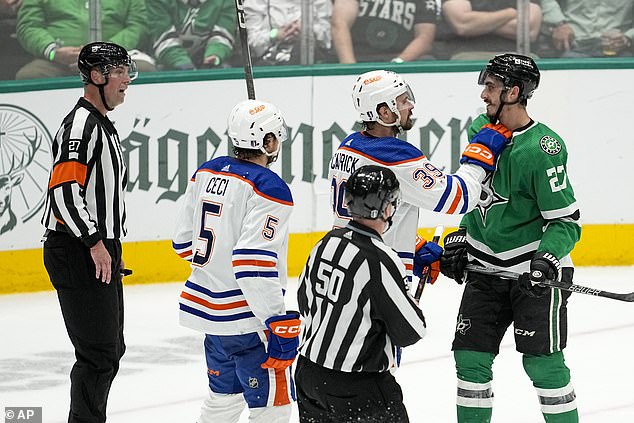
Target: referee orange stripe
456,200
260,263
68,172
227,306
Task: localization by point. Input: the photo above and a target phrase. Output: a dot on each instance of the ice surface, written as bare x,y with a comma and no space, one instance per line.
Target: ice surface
163,379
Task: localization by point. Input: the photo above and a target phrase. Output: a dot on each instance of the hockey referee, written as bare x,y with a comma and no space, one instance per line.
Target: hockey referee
356,312
84,219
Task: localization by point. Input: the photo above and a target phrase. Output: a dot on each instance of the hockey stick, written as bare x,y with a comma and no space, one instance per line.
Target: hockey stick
246,52
427,270
553,284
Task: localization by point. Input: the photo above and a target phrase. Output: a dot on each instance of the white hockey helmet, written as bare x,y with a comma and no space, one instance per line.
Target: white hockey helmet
377,87
251,120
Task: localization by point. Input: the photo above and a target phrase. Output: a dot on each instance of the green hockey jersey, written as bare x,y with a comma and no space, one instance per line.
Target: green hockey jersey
526,205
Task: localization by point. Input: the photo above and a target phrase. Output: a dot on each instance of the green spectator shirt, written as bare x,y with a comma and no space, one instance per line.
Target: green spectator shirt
526,205
45,24
589,18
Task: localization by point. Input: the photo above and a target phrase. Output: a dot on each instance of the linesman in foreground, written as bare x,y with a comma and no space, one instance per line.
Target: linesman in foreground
356,312
84,219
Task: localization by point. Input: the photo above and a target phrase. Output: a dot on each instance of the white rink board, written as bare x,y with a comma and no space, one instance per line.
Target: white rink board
590,109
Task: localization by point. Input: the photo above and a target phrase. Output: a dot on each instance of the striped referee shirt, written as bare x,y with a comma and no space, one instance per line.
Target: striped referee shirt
355,310
87,183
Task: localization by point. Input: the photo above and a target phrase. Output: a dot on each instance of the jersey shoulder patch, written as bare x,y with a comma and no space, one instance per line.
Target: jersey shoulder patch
385,150
542,141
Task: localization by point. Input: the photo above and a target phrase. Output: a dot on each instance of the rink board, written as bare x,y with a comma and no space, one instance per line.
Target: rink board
170,124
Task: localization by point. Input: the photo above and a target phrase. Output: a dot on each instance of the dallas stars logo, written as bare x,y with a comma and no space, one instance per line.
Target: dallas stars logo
550,145
488,198
463,325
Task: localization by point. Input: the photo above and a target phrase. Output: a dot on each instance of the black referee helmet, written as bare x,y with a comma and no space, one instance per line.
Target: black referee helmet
104,56
369,190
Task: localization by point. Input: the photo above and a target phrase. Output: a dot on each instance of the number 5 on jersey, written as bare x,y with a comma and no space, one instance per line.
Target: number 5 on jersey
206,237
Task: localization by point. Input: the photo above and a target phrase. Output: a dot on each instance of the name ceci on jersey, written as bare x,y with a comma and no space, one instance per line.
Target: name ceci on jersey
217,185
343,162
399,12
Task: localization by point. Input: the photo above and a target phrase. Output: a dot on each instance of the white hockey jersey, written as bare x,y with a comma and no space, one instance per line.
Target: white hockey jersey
233,228
422,186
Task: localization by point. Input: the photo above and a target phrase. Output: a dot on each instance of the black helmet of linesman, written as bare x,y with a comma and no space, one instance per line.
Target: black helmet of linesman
369,190
105,57
514,70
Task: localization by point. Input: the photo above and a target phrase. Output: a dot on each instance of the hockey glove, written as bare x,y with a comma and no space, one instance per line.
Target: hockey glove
544,266
427,255
454,259
485,146
283,340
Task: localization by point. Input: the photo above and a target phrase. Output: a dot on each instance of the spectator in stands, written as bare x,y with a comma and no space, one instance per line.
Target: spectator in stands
479,29
583,28
13,55
376,31
9,7
275,30
192,34
55,31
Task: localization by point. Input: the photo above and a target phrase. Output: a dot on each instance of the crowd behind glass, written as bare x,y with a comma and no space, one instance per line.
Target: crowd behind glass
40,39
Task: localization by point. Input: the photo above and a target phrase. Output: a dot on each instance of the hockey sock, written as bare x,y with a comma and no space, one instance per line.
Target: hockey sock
474,402
551,379
224,408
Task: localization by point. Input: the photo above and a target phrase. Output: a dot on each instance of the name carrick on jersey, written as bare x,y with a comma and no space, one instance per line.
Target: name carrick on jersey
422,186
527,205
233,228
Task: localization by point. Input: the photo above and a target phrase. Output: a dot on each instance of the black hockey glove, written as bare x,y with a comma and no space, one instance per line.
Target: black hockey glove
454,259
544,266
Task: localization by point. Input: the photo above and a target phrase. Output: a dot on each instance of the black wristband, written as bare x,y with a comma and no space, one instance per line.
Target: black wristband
91,240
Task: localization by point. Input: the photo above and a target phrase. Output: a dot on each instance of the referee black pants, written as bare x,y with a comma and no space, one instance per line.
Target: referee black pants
93,314
330,396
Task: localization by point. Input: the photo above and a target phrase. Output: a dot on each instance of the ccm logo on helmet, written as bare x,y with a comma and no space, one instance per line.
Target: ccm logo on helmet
373,79
257,109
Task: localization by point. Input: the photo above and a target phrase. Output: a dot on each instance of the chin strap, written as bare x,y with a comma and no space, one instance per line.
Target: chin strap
101,92
494,120
396,124
103,96
273,155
